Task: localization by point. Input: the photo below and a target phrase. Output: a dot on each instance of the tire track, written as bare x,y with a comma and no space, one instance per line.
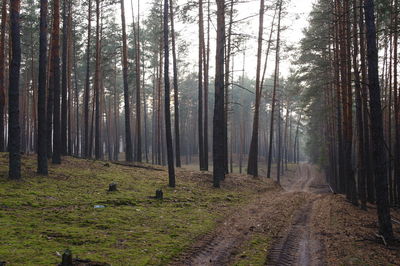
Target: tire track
293,248
299,246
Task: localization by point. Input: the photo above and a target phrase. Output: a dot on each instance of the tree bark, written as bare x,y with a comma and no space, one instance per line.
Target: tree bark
13,93
2,66
218,120
55,85
176,91
379,156
87,83
359,115
64,100
252,165
170,153
97,145
200,88
42,119
128,139
276,83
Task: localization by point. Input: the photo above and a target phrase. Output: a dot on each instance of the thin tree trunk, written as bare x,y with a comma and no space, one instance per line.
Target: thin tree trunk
170,152
2,66
128,140
69,80
97,145
359,116
228,50
176,95
276,81
87,83
252,166
206,85
64,81
200,88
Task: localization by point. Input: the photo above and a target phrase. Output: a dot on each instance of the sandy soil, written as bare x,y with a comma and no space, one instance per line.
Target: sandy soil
295,243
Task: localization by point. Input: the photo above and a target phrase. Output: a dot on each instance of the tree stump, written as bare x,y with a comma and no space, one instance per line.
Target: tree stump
159,194
66,258
112,187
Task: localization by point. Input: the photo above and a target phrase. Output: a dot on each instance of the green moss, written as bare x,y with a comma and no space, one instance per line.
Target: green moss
40,216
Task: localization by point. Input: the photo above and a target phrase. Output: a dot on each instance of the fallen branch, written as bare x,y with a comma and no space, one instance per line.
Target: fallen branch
381,237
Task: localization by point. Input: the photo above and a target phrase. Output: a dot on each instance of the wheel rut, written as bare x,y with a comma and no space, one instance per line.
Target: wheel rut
297,245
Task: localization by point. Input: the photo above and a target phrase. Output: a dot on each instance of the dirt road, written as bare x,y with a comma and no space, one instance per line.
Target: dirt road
294,243
299,245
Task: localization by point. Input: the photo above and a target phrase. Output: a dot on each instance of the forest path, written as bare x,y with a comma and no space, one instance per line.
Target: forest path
295,247
299,244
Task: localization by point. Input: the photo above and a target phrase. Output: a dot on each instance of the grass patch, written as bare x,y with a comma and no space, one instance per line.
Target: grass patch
42,215
254,252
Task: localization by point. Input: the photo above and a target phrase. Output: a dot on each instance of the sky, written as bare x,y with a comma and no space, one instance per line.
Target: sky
294,21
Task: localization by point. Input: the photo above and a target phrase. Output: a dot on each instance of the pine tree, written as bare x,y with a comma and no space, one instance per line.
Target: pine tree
218,120
170,153
2,66
14,145
42,119
378,152
128,139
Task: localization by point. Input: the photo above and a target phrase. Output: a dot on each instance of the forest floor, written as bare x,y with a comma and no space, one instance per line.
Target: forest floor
248,221
71,208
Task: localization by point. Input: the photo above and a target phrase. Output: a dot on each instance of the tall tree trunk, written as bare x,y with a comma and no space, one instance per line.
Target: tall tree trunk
252,165
396,105
138,98
176,95
218,120
138,139
351,184
42,119
87,83
170,152
64,88
200,86
206,85
97,145
276,81
78,131
69,80
2,66
381,189
228,50
14,146
364,93
359,115
128,139
55,86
